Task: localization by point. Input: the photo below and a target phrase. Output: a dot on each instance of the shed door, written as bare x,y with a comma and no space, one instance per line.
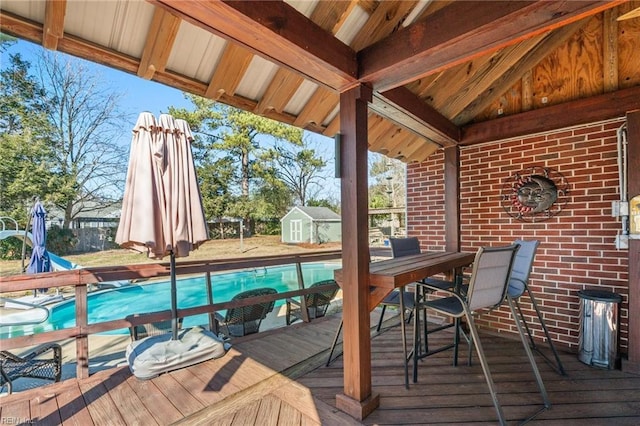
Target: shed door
296,231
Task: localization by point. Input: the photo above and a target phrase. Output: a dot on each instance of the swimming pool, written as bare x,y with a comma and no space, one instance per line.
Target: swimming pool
121,302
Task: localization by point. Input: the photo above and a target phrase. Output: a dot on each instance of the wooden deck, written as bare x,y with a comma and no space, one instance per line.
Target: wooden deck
279,377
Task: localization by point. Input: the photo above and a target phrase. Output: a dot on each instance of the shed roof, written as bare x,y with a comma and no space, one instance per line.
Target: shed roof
317,213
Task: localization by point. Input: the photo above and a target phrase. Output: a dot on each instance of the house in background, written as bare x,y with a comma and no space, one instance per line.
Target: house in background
315,225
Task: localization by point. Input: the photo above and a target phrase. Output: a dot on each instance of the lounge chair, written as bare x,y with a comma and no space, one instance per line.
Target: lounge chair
247,319
315,303
32,366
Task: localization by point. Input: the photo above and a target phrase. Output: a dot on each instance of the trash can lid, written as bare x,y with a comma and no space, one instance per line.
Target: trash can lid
600,295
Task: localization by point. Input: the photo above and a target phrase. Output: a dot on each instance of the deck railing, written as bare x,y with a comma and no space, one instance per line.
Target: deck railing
82,278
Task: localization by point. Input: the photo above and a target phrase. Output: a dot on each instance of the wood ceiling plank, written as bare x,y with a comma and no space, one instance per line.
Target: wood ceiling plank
425,151
333,127
400,142
282,87
53,29
160,38
487,73
502,82
321,103
380,135
278,33
229,72
462,31
383,21
574,113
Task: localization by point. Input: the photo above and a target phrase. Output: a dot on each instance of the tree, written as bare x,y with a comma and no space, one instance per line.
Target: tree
25,144
88,164
237,137
299,167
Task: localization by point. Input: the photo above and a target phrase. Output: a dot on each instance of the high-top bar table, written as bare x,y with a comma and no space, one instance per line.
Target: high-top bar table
389,274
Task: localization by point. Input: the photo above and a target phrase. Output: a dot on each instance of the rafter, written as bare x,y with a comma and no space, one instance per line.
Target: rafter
463,31
278,33
499,82
229,72
160,38
53,28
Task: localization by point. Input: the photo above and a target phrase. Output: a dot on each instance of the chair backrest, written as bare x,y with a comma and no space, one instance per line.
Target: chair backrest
320,301
522,265
247,319
141,331
404,246
490,276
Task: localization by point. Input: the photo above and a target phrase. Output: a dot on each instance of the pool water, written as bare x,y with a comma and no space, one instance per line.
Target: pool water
119,303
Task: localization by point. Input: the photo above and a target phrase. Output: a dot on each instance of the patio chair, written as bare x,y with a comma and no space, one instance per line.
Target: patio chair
488,288
315,303
247,319
32,365
518,284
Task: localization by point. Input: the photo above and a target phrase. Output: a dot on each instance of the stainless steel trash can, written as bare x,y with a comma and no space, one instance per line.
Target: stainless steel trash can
598,340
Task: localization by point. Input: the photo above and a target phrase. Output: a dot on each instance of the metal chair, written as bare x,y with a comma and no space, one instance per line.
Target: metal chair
32,366
13,367
247,319
488,288
315,303
518,284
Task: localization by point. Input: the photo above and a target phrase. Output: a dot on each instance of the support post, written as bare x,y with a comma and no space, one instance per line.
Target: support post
357,399
82,340
632,365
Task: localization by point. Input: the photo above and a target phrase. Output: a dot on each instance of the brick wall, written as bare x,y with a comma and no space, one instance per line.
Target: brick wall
577,249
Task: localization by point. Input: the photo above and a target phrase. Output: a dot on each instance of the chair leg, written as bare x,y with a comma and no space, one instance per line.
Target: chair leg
335,342
485,367
546,331
532,361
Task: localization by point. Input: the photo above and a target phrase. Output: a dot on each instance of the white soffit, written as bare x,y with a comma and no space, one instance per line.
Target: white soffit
32,10
118,25
300,98
257,78
199,53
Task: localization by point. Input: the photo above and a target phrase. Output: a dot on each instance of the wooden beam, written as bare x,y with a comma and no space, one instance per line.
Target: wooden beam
463,31
357,399
160,38
278,33
282,87
407,110
583,111
229,72
53,28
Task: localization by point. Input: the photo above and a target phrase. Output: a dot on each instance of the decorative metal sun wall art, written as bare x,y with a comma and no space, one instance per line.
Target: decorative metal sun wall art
535,194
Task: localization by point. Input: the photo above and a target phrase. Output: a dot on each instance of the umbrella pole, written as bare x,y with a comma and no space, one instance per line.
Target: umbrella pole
174,297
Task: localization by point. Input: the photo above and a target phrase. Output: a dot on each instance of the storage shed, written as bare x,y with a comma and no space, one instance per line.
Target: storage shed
314,225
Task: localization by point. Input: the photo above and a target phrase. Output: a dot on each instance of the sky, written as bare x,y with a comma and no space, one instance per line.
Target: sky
144,95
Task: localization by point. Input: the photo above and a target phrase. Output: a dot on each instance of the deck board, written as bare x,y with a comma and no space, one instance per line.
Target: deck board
279,377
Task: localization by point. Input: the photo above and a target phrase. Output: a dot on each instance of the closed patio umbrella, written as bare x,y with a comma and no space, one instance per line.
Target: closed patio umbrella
162,210
39,261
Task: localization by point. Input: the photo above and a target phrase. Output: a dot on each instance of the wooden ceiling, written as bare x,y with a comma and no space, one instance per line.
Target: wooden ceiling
443,72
